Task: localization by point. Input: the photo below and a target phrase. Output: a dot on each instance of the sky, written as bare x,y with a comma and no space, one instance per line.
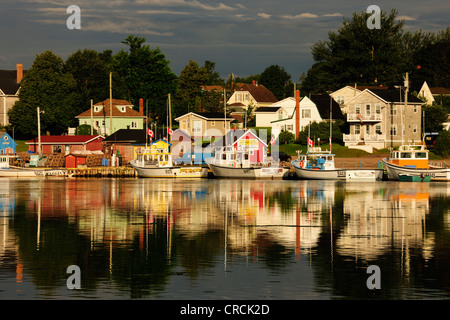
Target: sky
242,37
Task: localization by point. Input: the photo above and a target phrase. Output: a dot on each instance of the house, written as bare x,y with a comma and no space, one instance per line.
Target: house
204,124
9,91
246,141
123,116
276,111
124,142
255,95
312,108
65,144
430,93
378,119
7,144
346,93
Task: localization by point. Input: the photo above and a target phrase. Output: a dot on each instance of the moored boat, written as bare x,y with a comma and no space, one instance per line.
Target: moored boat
157,163
230,162
319,165
412,160
7,170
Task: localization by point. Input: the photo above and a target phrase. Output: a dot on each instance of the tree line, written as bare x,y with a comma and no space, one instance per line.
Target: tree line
352,54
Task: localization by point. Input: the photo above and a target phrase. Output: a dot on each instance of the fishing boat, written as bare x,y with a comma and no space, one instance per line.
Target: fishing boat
317,164
413,178
157,163
8,170
412,160
229,162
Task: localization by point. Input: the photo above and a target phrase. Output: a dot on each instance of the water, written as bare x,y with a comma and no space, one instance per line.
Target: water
223,239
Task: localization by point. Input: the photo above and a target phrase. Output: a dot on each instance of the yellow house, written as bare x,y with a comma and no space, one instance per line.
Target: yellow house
158,146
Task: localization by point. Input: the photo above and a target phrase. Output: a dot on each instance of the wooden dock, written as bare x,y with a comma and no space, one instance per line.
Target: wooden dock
98,172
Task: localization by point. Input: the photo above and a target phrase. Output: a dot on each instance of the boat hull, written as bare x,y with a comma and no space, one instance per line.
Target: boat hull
248,173
170,172
30,172
435,174
338,174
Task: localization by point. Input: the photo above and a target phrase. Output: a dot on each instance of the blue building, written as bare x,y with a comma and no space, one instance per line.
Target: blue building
7,144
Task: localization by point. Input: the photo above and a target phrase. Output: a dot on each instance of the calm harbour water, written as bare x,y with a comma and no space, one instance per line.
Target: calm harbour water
223,239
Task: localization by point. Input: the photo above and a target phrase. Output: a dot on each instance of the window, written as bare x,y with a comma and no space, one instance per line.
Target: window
357,108
378,129
357,129
133,124
393,110
378,108
421,155
246,97
367,129
290,127
393,131
405,155
57,149
238,97
368,109
340,99
415,108
306,113
415,128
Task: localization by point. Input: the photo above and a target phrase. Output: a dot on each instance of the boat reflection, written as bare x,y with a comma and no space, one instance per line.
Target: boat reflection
126,230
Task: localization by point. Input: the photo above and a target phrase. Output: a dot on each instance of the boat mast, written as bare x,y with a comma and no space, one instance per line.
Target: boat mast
225,114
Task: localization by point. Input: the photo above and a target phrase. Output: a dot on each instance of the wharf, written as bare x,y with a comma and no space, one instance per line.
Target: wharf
98,172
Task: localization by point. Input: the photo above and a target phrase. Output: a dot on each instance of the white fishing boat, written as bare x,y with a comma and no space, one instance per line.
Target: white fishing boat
319,165
229,162
412,160
157,163
8,170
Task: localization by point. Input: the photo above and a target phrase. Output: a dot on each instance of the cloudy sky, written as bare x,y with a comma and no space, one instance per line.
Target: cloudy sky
242,37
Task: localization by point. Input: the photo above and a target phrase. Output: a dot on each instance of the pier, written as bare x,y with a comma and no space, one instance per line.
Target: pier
97,172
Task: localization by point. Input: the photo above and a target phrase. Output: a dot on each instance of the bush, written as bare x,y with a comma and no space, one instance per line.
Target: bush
286,137
443,144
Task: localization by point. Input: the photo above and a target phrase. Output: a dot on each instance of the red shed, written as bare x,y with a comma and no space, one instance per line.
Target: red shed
66,144
74,160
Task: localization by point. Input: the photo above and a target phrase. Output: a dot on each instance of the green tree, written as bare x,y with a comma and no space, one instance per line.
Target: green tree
443,144
320,133
213,76
48,87
146,74
357,54
90,70
435,116
277,80
84,129
192,77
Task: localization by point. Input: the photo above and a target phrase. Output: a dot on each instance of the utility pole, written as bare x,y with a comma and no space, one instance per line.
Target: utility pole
92,119
110,103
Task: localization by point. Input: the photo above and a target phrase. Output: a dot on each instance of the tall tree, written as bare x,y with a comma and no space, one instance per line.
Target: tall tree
48,87
213,76
146,74
277,80
90,70
192,77
357,54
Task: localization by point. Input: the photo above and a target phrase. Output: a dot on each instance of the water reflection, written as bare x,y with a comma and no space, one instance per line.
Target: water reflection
150,238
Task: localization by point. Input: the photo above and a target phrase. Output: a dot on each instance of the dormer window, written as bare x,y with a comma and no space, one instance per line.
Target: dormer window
123,109
97,108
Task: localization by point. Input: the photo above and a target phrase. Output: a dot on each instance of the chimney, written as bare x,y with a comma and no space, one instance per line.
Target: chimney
19,68
254,82
297,113
141,106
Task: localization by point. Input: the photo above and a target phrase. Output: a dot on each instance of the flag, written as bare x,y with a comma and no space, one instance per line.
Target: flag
329,138
272,140
169,131
275,134
309,142
150,133
360,118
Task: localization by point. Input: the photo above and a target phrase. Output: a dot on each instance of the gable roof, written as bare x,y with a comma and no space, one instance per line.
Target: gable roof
439,90
8,82
268,109
259,92
322,102
394,95
132,136
105,111
82,139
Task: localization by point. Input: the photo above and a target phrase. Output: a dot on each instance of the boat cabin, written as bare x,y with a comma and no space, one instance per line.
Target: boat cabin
410,156
154,157
316,159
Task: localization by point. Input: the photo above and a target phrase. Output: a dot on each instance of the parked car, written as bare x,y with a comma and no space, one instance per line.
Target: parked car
281,156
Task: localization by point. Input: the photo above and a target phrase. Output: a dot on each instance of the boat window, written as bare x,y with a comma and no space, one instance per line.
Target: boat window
246,156
405,155
224,156
421,155
330,158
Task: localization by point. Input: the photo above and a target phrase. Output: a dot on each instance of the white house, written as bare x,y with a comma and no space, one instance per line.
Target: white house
343,95
313,108
254,94
276,111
